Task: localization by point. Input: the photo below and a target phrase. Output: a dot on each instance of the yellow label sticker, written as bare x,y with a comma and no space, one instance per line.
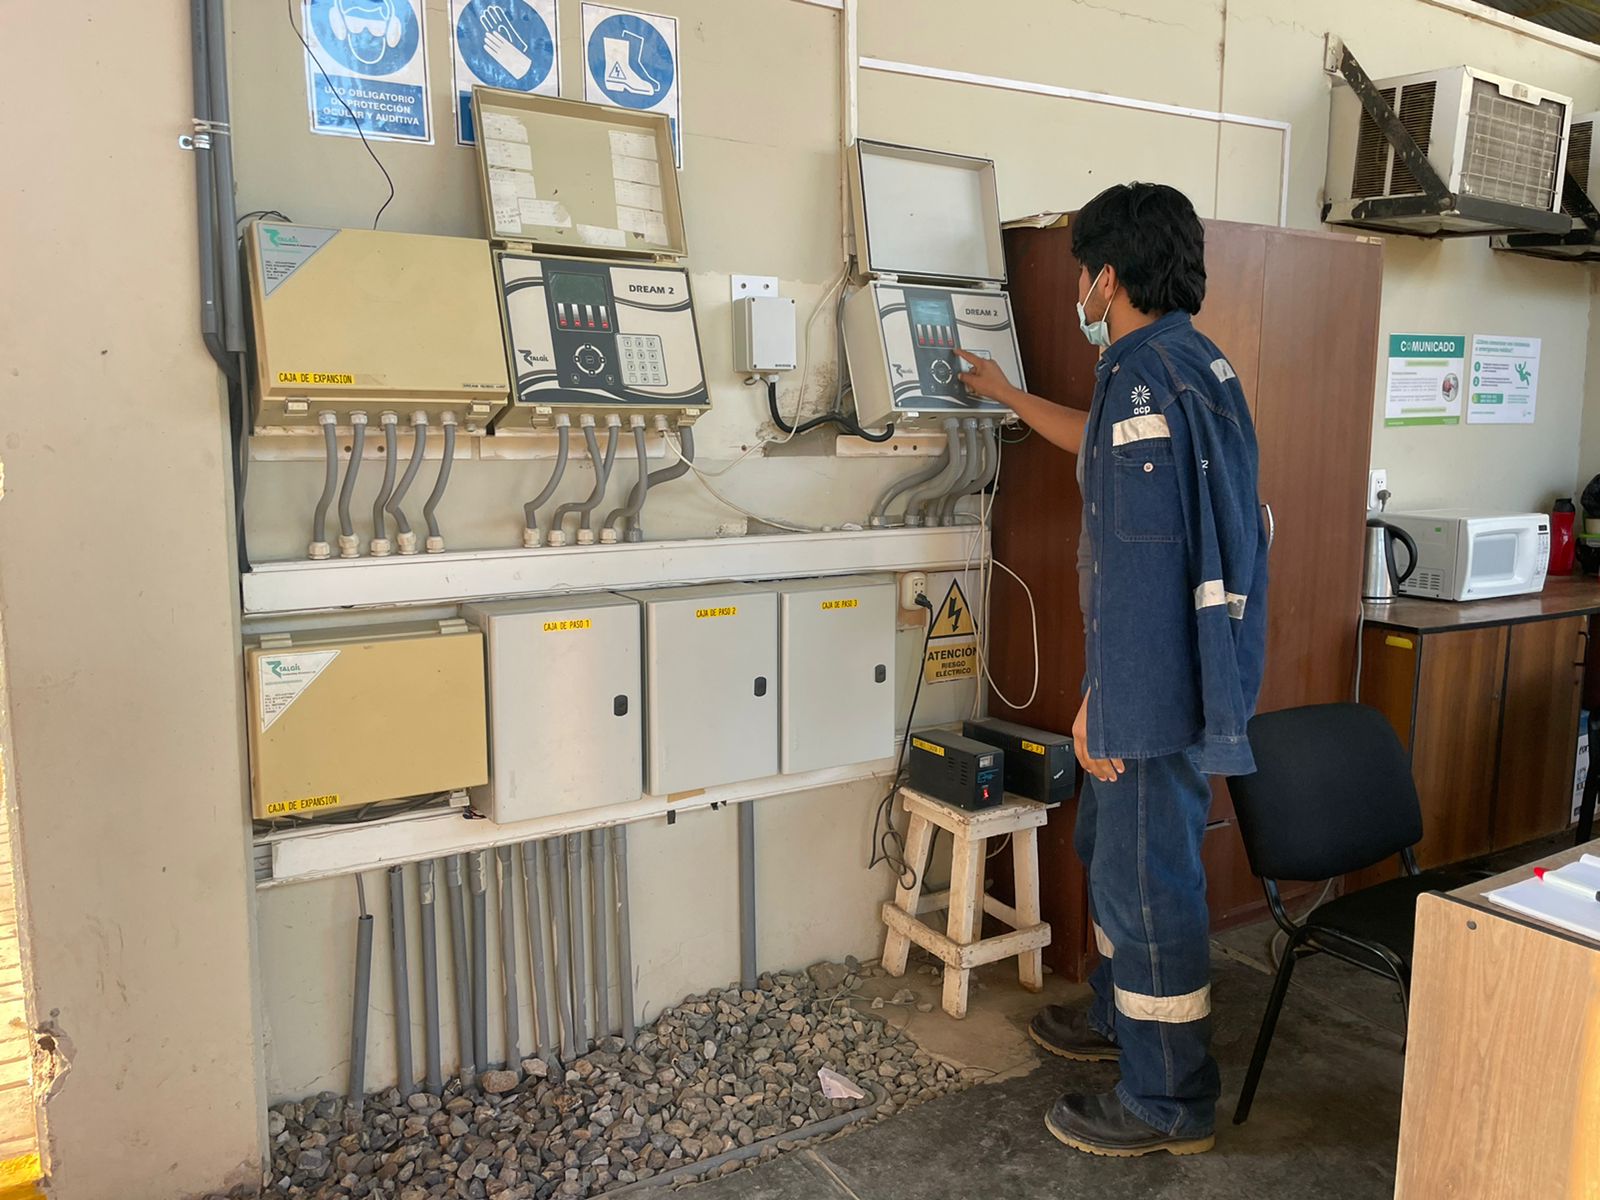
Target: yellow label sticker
1033,747
830,605
948,661
728,610
342,377
928,746
953,618
1399,643
306,805
564,626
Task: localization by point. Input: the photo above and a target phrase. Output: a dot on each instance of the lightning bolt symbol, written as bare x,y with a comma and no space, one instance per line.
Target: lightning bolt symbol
954,613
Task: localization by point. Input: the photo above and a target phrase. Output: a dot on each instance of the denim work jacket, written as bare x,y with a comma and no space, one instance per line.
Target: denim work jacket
1177,632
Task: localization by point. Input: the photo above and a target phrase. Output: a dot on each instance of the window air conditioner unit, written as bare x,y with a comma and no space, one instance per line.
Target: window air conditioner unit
1494,151
1581,243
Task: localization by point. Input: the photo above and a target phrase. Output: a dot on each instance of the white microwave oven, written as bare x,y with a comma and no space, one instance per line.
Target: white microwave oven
1464,554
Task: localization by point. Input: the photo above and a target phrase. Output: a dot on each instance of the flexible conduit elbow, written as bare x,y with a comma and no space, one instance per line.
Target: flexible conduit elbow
406,539
952,433
530,510
677,470
941,511
380,532
591,445
636,498
940,483
349,544
430,507
330,484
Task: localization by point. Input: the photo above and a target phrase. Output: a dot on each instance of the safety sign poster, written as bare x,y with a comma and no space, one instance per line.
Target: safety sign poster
1505,380
507,44
1425,375
952,641
630,60
367,69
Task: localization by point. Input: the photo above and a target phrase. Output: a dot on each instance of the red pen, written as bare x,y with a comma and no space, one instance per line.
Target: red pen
1566,885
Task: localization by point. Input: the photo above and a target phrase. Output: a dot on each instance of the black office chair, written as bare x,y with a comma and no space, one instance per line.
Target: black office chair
1332,794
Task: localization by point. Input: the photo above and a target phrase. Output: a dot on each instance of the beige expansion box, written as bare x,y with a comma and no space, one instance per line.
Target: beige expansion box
340,718
347,319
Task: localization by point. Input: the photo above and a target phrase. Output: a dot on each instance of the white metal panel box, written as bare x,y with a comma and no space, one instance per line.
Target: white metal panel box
836,671
711,687
564,705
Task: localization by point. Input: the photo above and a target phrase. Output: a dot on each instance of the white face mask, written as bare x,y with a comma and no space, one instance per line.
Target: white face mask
1098,332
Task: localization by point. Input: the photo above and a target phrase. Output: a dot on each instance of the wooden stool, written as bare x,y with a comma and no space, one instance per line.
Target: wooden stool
960,948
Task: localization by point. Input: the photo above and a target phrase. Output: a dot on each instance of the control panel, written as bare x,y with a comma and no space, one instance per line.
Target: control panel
599,336
901,340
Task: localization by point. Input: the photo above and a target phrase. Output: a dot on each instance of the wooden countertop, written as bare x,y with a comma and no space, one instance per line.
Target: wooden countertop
1574,595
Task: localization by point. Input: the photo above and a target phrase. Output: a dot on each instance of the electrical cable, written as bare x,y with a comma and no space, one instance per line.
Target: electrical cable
625,513
442,481
419,447
288,9
348,544
261,212
846,423
702,476
391,443
330,485
674,470
530,510
889,846
602,478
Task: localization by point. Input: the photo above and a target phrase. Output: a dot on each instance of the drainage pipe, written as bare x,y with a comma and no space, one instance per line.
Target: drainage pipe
555,861
402,981
532,884
463,969
362,1002
577,914
433,1072
600,912
508,956
478,870
227,211
619,862
747,894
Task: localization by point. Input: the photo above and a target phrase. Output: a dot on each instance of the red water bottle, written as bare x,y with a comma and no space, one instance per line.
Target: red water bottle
1563,543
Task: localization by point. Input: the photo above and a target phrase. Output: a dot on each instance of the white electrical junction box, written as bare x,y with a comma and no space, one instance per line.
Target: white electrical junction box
928,244
581,201
348,319
836,671
564,705
711,686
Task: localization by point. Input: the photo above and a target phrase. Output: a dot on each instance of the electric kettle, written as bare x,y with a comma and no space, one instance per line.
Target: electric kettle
1381,577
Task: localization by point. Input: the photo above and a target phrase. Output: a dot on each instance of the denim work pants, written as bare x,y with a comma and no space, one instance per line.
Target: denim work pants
1140,840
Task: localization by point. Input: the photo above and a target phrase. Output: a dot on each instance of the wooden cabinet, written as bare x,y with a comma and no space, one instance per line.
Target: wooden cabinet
1490,716
1297,315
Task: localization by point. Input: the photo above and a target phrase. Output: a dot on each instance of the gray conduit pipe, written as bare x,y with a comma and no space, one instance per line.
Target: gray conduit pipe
362,1002
435,543
952,433
602,476
600,905
205,182
627,512
349,544
678,469
939,512
433,1073
330,484
941,483
508,958
577,915
478,872
989,440
402,982
709,1166
463,968
530,510
619,863
222,176
747,894
391,441
533,885
558,532
405,538
555,861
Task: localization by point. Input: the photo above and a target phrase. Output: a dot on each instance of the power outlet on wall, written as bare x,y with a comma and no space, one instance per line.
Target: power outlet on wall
1377,481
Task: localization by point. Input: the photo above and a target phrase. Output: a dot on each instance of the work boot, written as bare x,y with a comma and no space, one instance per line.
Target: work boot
1101,1125
1065,1030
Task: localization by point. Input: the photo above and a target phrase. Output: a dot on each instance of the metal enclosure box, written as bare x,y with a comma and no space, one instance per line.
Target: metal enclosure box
836,671
928,242
348,717
711,687
564,705
349,319
763,334
1498,145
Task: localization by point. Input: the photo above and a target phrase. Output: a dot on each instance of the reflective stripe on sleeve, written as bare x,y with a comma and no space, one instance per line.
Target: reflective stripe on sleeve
1212,593
1171,1010
1140,429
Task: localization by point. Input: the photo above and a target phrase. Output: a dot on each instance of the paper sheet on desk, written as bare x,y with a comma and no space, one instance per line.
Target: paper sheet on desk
1555,905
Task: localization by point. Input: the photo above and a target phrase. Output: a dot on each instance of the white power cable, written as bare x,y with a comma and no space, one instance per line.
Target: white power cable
805,360
703,477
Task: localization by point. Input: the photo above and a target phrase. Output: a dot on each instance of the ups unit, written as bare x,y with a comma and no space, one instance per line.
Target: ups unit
341,718
564,705
1497,145
957,770
836,681
1039,764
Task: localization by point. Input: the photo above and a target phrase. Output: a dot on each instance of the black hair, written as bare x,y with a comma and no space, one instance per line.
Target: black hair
1149,232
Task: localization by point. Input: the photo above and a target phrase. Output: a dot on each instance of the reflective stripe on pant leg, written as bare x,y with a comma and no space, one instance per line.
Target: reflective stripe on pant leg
1174,1010
1103,944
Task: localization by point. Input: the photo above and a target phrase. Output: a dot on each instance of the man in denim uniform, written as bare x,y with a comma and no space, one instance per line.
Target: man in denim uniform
1172,584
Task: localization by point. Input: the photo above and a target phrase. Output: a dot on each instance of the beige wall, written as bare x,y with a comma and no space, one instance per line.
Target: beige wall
119,614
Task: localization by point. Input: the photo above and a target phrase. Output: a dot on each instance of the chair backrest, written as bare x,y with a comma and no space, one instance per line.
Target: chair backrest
1332,793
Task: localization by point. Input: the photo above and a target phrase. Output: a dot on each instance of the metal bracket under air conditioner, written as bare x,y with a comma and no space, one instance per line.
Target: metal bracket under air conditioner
1381,212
